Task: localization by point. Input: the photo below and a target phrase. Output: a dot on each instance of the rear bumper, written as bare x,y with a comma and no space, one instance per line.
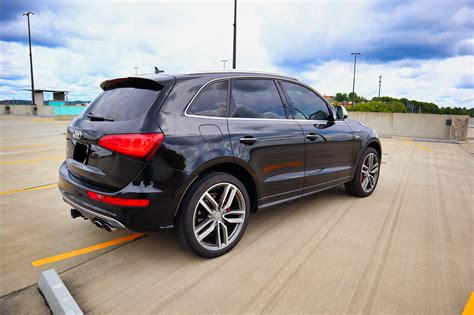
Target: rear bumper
91,213
164,195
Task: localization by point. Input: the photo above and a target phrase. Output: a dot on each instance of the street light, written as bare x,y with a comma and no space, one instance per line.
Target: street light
234,53
380,83
354,78
31,58
136,68
223,62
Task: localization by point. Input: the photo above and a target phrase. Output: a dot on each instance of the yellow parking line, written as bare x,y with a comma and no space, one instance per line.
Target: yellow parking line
86,250
419,145
15,191
51,158
469,308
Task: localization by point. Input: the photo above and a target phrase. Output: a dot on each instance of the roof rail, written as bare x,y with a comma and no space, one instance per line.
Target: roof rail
243,71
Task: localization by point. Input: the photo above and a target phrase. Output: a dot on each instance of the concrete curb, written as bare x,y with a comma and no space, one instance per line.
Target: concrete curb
59,300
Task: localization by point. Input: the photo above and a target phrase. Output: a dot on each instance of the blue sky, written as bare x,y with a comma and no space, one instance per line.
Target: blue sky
424,50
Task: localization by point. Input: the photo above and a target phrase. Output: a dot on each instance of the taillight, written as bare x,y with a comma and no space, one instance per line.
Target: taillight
140,145
119,201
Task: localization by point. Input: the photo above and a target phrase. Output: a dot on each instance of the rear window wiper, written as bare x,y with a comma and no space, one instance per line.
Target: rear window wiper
93,117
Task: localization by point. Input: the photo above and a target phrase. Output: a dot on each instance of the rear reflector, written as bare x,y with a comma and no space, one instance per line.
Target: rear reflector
140,145
119,201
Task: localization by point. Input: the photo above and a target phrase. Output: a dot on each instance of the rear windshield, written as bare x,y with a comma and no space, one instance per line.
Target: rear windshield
125,103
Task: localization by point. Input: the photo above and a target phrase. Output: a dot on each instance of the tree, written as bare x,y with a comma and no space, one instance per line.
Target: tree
341,97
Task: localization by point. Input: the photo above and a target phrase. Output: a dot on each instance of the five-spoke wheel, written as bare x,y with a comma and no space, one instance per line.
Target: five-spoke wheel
366,174
214,215
369,172
219,216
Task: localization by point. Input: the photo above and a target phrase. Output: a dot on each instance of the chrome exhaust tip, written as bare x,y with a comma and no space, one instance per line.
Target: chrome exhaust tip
98,224
108,227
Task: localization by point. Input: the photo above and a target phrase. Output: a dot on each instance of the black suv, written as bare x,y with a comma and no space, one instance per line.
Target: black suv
201,151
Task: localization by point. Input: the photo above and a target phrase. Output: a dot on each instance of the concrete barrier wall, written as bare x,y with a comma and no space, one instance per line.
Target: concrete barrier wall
431,126
22,110
45,111
381,122
421,125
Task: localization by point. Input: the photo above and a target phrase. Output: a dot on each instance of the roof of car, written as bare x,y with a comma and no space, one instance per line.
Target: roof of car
216,74
211,75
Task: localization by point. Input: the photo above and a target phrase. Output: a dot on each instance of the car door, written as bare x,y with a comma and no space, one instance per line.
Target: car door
266,140
329,142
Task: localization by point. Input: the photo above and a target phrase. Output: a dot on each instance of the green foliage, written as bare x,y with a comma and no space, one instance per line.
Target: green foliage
341,97
394,106
389,104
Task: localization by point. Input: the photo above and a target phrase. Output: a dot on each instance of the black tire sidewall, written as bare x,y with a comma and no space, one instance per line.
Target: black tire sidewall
355,186
186,214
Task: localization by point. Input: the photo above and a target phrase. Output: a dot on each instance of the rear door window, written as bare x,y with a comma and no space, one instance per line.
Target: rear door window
212,101
125,103
256,98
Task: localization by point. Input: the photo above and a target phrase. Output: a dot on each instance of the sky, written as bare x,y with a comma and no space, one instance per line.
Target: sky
423,49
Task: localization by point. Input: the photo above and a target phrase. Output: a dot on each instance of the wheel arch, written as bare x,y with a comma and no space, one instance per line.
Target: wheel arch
231,167
375,144
370,143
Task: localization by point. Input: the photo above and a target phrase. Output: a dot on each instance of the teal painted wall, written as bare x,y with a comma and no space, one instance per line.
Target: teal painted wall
68,110
56,103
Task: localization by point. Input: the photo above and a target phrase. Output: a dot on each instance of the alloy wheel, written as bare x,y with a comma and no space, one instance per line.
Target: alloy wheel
369,172
219,216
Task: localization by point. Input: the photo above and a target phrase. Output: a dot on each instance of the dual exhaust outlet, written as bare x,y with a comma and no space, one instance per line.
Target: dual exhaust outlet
101,224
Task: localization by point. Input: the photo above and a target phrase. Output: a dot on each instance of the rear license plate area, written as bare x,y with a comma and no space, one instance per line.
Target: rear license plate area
81,151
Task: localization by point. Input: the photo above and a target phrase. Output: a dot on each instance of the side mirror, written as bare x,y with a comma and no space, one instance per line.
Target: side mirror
341,112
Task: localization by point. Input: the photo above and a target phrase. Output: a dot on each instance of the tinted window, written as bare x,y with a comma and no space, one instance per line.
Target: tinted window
306,104
211,101
256,99
122,103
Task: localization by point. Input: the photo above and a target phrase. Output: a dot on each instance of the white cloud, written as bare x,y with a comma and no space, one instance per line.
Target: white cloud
431,81
109,38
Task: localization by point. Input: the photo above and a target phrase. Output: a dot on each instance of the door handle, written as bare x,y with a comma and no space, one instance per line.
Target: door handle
311,137
248,140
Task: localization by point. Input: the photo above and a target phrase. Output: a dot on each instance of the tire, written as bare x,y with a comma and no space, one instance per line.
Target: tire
358,185
204,219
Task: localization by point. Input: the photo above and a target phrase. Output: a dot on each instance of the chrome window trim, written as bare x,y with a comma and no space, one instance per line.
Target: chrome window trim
265,119
228,78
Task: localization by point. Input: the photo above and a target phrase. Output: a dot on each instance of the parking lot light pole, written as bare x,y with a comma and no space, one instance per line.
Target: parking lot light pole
380,84
223,62
234,51
354,77
31,59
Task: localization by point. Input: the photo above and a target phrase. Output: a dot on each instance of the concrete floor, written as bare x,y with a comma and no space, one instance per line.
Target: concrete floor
407,249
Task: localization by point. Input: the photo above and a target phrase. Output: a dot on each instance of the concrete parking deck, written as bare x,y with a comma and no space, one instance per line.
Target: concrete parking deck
407,249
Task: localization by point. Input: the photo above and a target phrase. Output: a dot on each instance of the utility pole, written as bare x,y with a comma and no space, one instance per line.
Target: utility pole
354,77
380,84
223,62
31,59
234,53
136,72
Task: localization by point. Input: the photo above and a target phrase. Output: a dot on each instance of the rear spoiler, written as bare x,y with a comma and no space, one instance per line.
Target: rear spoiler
136,82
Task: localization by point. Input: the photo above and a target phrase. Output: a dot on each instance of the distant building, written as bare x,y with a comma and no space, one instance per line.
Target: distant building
329,98
59,97
345,103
